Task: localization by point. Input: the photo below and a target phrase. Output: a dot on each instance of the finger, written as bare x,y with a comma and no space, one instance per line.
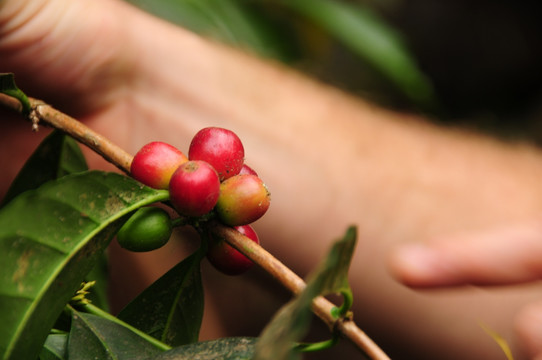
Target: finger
498,256
528,328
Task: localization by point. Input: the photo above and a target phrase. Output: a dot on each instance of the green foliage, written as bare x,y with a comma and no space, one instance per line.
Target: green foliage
276,29
55,224
229,21
239,348
58,155
94,337
291,322
171,309
370,37
55,347
49,239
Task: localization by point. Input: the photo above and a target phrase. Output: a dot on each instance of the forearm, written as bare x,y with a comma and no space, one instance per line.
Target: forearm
302,135
331,160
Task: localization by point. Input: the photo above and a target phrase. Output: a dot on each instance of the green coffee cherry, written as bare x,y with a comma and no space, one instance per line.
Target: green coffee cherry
149,228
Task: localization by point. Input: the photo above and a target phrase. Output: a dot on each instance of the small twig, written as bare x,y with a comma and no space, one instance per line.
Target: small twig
85,135
321,306
121,159
45,114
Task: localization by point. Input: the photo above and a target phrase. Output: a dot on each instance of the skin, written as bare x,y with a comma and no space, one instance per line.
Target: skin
402,180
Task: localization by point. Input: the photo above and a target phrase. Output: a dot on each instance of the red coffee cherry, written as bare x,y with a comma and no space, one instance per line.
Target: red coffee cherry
243,199
226,258
219,147
194,188
149,228
155,162
247,170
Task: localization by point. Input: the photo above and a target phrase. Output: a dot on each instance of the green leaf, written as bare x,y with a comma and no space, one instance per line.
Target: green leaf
171,309
93,337
55,347
369,36
57,155
237,348
8,87
224,20
49,239
291,322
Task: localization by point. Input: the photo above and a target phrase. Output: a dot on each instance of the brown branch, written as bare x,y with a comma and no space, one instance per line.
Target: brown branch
43,113
321,306
83,134
47,115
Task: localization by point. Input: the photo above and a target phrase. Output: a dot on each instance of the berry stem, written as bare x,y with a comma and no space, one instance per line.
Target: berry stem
318,346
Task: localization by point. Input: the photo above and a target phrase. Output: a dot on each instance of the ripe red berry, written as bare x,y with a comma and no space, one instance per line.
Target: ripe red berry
155,162
247,170
243,199
194,188
226,258
219,147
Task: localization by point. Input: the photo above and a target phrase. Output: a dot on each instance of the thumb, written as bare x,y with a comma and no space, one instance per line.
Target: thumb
496,256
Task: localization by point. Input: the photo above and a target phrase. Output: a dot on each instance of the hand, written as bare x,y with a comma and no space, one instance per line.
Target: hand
95,61
330,160
81,67
505,255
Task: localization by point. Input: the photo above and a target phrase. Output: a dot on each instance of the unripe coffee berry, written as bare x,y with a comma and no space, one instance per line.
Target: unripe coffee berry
149,228
194,188
226,258
221,148
243,200
155,162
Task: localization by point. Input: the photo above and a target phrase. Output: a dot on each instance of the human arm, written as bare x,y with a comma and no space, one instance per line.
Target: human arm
330,159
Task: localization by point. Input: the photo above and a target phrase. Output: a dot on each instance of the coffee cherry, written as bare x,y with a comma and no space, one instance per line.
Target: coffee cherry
155,162
194,188
225,257
149,228
219,147
247,170
243,200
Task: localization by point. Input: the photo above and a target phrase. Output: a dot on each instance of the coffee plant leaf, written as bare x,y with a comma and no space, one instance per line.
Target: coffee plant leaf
370,36
94,337
50,238
55,347
236,348
292,321
171,309
56,156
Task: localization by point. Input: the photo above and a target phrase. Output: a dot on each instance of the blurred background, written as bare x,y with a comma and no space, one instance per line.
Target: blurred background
460,63
475,64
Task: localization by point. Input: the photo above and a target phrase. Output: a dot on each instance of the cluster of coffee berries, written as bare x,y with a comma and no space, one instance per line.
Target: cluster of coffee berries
213,177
